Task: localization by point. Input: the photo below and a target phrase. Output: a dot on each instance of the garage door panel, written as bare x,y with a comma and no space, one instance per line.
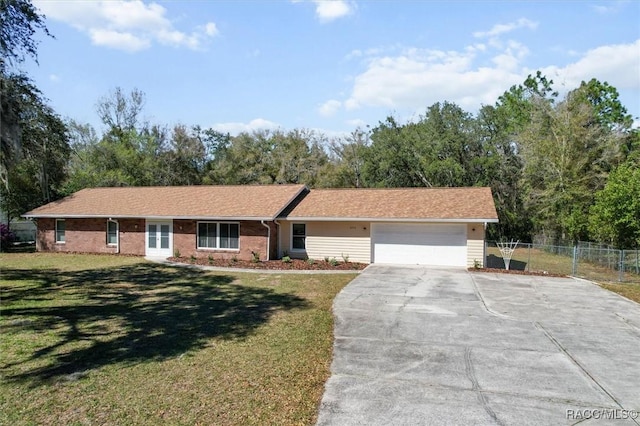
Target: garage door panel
423,244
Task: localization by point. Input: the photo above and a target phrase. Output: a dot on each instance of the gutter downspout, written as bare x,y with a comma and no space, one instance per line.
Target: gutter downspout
268,238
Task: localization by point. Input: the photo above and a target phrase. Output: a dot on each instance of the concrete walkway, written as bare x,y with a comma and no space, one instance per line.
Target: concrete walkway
420,346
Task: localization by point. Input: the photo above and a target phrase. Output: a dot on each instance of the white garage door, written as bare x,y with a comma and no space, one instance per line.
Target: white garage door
420,244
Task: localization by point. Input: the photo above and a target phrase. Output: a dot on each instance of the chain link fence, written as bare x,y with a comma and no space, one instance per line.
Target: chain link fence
595,262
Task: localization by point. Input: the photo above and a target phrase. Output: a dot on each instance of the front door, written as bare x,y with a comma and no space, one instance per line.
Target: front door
159,237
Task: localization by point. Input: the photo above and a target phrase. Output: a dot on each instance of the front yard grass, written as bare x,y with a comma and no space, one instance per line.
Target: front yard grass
89,339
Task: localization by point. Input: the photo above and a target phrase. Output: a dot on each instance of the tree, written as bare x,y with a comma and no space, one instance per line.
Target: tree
185,157
19,21
267,157
504,168
119,111
129,153
615,216
443,148
567,155
38,175
608,109
347,160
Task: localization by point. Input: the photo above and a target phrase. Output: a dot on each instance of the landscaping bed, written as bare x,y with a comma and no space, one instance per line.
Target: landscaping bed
290,265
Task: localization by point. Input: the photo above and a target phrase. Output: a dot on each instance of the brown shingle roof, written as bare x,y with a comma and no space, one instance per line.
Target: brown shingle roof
249,202
401,203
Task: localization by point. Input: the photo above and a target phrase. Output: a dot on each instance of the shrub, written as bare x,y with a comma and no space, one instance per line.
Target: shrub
326,259
333,261
255,257
234,259
310,261
345,257
476,264
210,259
286,259
7,236
176,253
192,258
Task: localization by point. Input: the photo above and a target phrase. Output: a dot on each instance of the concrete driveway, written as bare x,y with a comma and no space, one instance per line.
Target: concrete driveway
422,346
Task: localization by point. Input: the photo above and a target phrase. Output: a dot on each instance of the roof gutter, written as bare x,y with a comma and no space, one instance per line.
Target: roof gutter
385,219
268,238
129,216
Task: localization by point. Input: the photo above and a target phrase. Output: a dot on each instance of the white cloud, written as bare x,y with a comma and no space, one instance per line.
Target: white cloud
255,124
411,79
329,10
419,77
617,64
211,29
118,40
610,7
329,108
125,25
500,29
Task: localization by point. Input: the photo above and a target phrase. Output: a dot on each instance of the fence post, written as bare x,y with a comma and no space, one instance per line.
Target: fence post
637,263
621,270
529,261
574,267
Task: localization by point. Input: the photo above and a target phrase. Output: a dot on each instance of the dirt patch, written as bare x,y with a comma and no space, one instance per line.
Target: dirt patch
517,272
293,265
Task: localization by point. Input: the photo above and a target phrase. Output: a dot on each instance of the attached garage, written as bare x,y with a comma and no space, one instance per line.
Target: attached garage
411,226
419,244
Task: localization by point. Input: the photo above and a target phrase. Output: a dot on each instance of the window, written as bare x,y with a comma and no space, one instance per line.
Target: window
112,233
228,235
218,235
207,235
60,228
298,236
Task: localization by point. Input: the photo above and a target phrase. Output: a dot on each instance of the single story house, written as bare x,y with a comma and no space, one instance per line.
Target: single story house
429,226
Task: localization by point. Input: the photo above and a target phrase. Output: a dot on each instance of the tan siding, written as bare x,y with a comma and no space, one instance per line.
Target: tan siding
331,239
475,244
358,249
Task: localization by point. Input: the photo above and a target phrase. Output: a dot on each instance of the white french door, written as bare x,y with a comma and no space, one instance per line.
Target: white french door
159,238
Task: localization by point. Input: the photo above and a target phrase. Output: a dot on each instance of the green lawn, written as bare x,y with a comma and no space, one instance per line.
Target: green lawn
115,340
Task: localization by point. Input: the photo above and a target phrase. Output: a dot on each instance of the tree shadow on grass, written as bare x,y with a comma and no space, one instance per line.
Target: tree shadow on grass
131,314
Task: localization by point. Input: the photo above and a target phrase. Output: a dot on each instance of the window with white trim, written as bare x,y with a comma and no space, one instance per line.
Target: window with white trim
218,235
112,233
61,226
298,236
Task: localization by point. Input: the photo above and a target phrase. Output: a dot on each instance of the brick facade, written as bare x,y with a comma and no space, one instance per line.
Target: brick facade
90,236
253,238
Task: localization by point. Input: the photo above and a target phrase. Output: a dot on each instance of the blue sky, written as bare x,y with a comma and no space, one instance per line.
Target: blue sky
329,66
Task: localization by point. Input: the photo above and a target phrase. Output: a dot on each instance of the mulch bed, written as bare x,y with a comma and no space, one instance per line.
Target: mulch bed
516,272
294,264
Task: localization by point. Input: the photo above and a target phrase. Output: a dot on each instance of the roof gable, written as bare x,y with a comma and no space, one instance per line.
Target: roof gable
258,202
448,204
